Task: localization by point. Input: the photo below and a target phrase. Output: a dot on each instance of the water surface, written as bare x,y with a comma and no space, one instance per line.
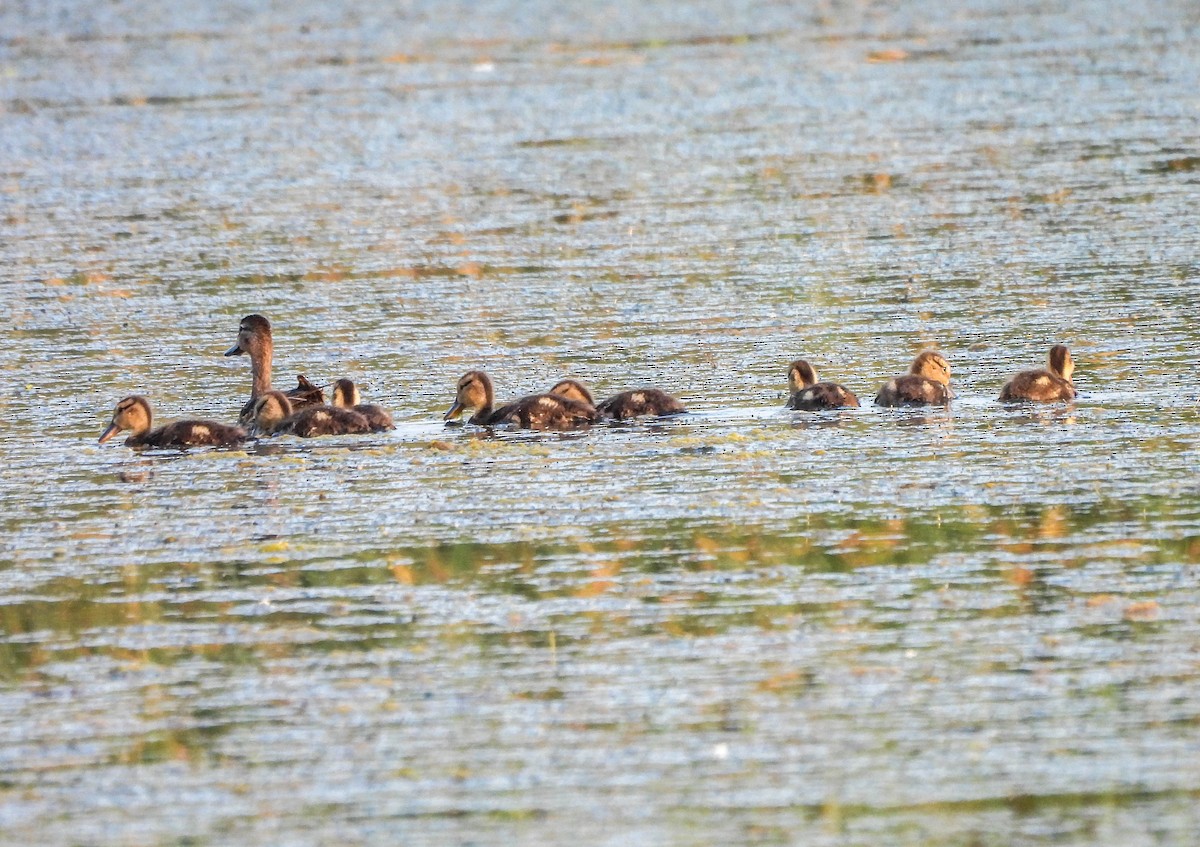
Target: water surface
967,626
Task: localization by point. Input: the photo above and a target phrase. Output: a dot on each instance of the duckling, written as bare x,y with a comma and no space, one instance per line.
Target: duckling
254,338
626,404
806,393
345,396
273,414
537,411
1044,385
133,413
927,383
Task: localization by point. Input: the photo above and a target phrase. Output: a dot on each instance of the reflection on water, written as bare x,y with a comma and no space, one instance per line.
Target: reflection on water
964,626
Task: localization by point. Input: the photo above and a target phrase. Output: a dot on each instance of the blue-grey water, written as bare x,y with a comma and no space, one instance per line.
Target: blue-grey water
974,626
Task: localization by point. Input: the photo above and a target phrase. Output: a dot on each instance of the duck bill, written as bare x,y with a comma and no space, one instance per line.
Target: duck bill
112,430
455,411
235,350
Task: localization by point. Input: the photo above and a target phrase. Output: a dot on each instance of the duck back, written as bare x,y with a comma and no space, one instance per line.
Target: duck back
324,420
823,395
541,411
190,434
642,401
913,390
1040,386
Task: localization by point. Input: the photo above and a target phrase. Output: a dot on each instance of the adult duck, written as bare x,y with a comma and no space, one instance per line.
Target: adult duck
254,339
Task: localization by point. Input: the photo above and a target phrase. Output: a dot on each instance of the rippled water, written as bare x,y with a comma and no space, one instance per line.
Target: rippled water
976,626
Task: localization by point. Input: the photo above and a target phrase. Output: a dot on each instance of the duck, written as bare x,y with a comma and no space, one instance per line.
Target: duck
1044,385
273,414
254,339
345,396
537,411
133,413
806,393
927,383
624,405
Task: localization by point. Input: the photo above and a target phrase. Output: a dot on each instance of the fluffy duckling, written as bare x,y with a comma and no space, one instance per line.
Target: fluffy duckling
273,414
627,404
133,414
537,411
1044,385
806,393
345,396
927,383
254,339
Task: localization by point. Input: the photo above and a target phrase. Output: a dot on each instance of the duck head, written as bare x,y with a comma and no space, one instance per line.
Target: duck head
474,391
132,413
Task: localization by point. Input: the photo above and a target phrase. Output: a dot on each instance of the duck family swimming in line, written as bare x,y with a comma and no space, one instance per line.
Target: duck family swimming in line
567,405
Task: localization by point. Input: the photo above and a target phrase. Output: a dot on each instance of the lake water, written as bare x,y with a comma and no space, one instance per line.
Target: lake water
973,626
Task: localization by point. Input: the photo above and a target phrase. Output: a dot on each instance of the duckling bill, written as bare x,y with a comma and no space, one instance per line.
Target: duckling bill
624,405
1047,385
805,392
927,383
273,414
254,339
537,411
133,413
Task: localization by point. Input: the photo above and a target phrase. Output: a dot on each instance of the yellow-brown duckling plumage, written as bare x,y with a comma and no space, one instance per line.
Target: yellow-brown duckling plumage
537,411
273,415
622,406
133,414
927,383
345,396
1047,385
805,392
255,340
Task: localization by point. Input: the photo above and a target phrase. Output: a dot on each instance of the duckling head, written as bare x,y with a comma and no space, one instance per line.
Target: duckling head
801,375
1061,362
132,413
933,366
345,394
270,409
474,392
254,335
573,389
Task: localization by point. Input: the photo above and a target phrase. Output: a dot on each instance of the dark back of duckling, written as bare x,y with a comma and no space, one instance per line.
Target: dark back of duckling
1038,386
326,420
642,401
913,390
545,411
191,434
823,395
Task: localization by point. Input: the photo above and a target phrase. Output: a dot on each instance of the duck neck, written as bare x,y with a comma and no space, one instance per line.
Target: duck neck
260,371
482,413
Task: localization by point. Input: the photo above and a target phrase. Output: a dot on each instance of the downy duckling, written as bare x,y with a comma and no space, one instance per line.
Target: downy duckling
273,414
537,411
254,339
345,396
133,413
626,404
1044,385
927,383
806,393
